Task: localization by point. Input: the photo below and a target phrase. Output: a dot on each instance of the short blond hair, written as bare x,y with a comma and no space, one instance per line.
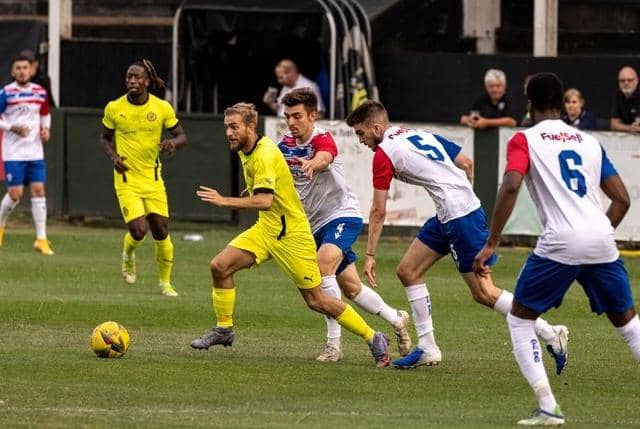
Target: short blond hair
247,112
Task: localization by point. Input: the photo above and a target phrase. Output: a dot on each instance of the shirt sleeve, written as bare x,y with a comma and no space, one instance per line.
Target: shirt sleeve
45,113
264,175
518,154
324,142
108,120
607,170
450,147
170,118
3,100
382,170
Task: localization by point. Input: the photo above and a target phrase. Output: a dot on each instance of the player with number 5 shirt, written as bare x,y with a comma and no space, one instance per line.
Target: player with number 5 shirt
459,226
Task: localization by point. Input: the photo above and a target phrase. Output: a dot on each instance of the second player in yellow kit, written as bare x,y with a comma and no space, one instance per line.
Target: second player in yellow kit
282,232
131,138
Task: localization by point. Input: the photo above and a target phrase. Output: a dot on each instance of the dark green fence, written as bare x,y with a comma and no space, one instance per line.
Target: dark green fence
80,177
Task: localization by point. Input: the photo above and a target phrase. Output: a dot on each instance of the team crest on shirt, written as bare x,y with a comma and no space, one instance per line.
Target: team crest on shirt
151,116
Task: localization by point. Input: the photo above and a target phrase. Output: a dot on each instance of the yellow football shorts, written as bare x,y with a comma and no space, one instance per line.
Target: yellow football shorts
140,199
295,253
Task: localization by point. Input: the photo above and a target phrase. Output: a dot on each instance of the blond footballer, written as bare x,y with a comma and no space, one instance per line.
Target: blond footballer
282,232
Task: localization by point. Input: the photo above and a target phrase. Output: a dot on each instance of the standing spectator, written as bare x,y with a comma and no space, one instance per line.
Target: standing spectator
37,75
493,107
574,113
26,122
290,78
565,171
132,139
625,115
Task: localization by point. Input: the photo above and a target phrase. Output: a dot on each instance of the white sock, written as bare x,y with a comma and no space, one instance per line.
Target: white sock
370,301
331,288
528,353
631,335
6,207
39,213
418,297
543,329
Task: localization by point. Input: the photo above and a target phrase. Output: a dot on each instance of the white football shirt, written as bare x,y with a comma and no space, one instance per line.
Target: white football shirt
327,196
26,106
563,169
424,159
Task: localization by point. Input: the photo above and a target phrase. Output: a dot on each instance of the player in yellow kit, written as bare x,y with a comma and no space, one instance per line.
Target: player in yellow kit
131,138
282,232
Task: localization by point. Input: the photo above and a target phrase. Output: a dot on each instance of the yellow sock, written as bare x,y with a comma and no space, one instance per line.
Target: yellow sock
129,245
164,259
352,321
223,303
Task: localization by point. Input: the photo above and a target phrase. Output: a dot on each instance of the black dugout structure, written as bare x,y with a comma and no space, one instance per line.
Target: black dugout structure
224,52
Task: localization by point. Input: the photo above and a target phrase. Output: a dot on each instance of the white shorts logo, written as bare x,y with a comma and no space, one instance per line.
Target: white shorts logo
9,177
339,230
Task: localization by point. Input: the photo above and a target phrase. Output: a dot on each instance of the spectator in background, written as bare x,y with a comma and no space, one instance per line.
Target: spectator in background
625,115
37,75
526,119
574,113
493,107
290,78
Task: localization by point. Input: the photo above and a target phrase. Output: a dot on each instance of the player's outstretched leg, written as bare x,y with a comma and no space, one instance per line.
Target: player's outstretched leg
129,246
333,348
371,302
556,337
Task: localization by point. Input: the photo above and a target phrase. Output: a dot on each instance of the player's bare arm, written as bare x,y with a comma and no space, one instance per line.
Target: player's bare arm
505,201
464,163
108,146
45,134
614,188
377,215
319,162
177,141
258,201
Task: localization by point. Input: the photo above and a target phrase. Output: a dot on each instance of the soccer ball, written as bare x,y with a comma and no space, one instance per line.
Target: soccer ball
110,340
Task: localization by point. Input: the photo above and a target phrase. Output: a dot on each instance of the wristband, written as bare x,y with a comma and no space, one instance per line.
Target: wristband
370,254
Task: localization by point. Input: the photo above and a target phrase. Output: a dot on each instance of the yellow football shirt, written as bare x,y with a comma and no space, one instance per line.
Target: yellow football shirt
265,168
138,130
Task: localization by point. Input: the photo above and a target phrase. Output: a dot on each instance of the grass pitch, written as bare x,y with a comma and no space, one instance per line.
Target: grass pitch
50,378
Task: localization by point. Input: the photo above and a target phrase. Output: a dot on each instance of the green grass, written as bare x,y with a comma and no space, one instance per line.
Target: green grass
50,378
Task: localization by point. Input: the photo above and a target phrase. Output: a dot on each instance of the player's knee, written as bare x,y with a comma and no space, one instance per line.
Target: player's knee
218,268
159,233
351,291
405,275
327,264
15,194
137,232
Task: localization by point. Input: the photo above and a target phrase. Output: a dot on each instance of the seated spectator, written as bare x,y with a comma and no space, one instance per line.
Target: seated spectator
493,107
290,78
625,115
37,75
574,113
